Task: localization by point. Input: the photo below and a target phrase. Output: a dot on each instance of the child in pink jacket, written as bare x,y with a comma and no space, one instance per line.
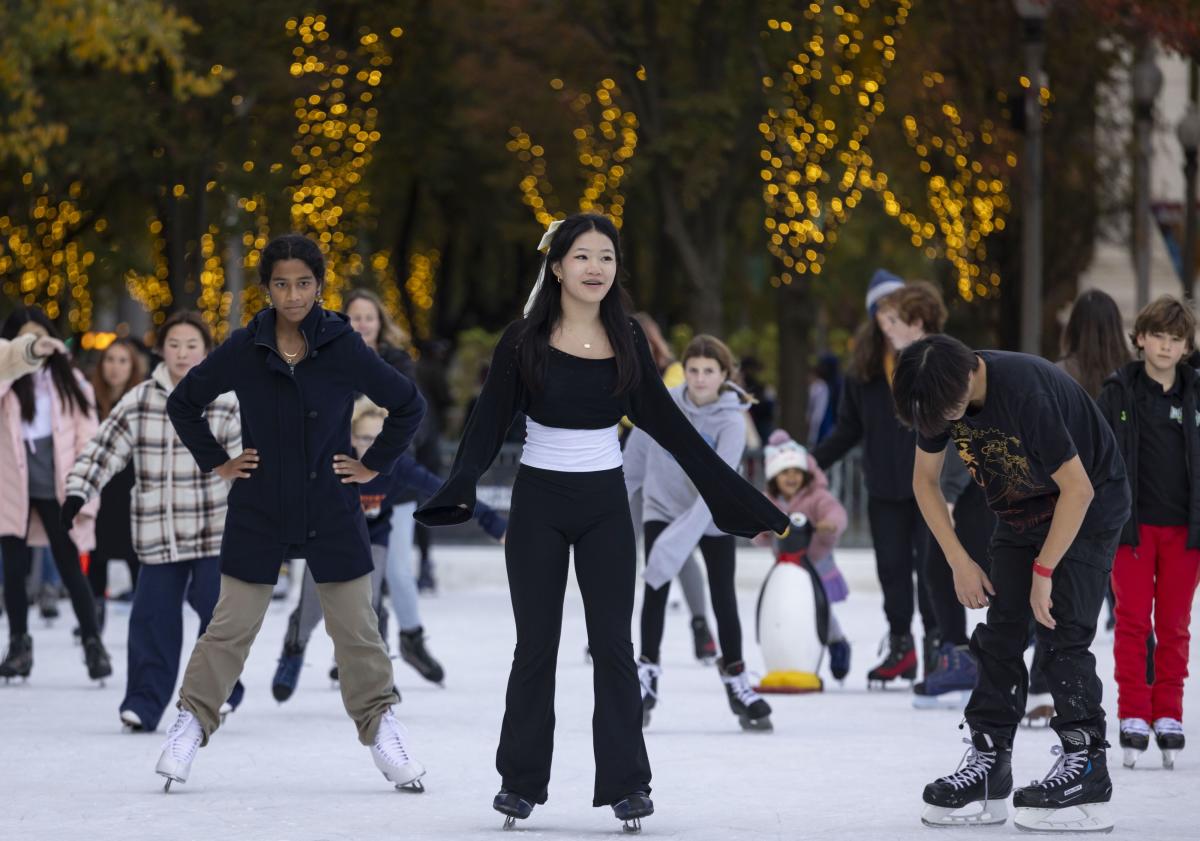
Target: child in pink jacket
797,485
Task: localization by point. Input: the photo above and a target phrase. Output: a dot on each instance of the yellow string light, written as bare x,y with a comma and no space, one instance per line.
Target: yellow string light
606,140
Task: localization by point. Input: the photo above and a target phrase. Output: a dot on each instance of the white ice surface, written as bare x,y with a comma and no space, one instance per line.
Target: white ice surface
842,764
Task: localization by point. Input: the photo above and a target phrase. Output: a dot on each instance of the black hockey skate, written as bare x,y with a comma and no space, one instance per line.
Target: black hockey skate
18,660
287,673
702,641
899,662
631,809
414,652
513,806
648,674
754,714
1135,738
98,665
1168,734
1074,795
976,794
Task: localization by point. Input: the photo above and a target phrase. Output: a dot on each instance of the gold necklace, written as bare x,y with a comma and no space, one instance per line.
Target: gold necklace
291,357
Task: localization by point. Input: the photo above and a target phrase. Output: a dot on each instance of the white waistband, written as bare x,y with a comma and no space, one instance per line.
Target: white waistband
570,450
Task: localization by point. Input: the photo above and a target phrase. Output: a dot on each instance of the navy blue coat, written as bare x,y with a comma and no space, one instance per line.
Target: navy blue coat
294,505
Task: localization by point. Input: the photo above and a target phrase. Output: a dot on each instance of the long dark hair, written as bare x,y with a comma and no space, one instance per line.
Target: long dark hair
61,371
547,309
292,247
1093,344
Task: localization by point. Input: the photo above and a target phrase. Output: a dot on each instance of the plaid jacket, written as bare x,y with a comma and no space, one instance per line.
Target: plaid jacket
178,511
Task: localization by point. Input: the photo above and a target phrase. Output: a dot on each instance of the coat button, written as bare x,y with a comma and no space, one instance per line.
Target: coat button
312,475
312,533
313,413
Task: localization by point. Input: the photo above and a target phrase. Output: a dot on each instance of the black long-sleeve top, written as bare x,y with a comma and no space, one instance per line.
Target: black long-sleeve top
578,394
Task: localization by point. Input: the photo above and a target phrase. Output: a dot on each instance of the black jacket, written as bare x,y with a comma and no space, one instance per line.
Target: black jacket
293,504
1118,403
867,413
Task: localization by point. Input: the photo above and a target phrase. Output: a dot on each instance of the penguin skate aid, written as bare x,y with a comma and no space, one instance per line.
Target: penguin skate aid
574,378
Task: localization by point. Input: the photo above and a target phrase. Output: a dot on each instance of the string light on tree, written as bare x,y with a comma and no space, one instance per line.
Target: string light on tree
605,142
153,291
42,261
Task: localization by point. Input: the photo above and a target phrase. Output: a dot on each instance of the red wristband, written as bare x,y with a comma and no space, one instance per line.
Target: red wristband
1043,571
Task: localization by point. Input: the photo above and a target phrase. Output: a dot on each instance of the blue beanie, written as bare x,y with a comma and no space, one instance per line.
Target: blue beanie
883,283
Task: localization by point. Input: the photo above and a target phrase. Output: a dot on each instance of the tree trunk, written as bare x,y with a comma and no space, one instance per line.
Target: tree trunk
796,318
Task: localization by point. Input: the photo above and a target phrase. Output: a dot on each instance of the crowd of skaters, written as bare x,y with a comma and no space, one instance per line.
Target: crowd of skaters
136,463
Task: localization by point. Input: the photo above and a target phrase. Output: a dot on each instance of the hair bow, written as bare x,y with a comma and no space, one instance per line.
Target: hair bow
544,244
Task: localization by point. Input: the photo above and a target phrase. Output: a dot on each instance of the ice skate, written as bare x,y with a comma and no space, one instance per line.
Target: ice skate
839,659
48,604
287,673
1039,709
18,660
283,583
333,675
131,722
392,758
98,665
225,710
951,682
931,649
1168,733
414,652
648,674
183,740
899,662
513,806
702,641
976,794
631,809
1074,796
1135,738
754,713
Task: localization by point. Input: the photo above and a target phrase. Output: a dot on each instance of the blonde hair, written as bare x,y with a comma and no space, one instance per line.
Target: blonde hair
389,332
364,408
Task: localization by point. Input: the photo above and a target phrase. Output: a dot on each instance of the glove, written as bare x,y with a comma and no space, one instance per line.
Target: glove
70,509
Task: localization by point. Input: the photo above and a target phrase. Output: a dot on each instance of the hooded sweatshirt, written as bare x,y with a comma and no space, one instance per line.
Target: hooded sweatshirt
817,503
667,494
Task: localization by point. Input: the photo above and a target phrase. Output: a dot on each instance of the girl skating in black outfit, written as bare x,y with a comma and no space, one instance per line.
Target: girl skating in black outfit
574,365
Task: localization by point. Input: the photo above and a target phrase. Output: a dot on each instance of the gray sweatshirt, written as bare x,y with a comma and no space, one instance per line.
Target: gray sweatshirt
667,493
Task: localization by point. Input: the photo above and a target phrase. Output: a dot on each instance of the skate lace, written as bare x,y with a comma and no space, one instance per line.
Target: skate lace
973,767
183,739
647,673
390,740
742,690
1166,726
1068,766
1137,726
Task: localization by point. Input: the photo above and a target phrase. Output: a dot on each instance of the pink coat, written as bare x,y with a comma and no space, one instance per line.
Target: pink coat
817,504
71,433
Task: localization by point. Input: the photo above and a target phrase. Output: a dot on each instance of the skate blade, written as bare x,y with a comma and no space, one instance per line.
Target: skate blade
414,787
510,822
953,700
987,813
1131,756
169,779
1168,759
756,725
632,826
1086,817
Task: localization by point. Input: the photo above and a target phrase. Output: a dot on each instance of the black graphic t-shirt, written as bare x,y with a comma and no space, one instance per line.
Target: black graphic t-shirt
1034,419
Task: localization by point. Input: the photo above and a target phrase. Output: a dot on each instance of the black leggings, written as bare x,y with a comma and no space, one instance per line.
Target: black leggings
901,541
17,560
974,523
552,512
719,560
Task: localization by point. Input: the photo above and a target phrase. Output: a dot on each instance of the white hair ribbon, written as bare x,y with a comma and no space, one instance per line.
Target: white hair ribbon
544,247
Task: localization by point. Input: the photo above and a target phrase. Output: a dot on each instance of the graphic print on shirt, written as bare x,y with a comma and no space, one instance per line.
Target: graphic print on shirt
372,505
999,464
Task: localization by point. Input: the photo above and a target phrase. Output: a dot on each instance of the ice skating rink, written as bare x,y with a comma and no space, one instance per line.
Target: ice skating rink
842,764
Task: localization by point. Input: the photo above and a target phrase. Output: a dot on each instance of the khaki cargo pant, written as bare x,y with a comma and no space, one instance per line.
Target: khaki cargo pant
364,670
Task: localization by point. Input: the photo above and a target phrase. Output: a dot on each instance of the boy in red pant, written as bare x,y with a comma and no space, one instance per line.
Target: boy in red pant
1153,406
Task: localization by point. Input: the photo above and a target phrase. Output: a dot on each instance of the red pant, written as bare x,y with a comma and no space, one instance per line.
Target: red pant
1157,578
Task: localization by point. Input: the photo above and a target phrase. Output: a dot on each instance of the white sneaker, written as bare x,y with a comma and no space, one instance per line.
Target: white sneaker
183,740
392,756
